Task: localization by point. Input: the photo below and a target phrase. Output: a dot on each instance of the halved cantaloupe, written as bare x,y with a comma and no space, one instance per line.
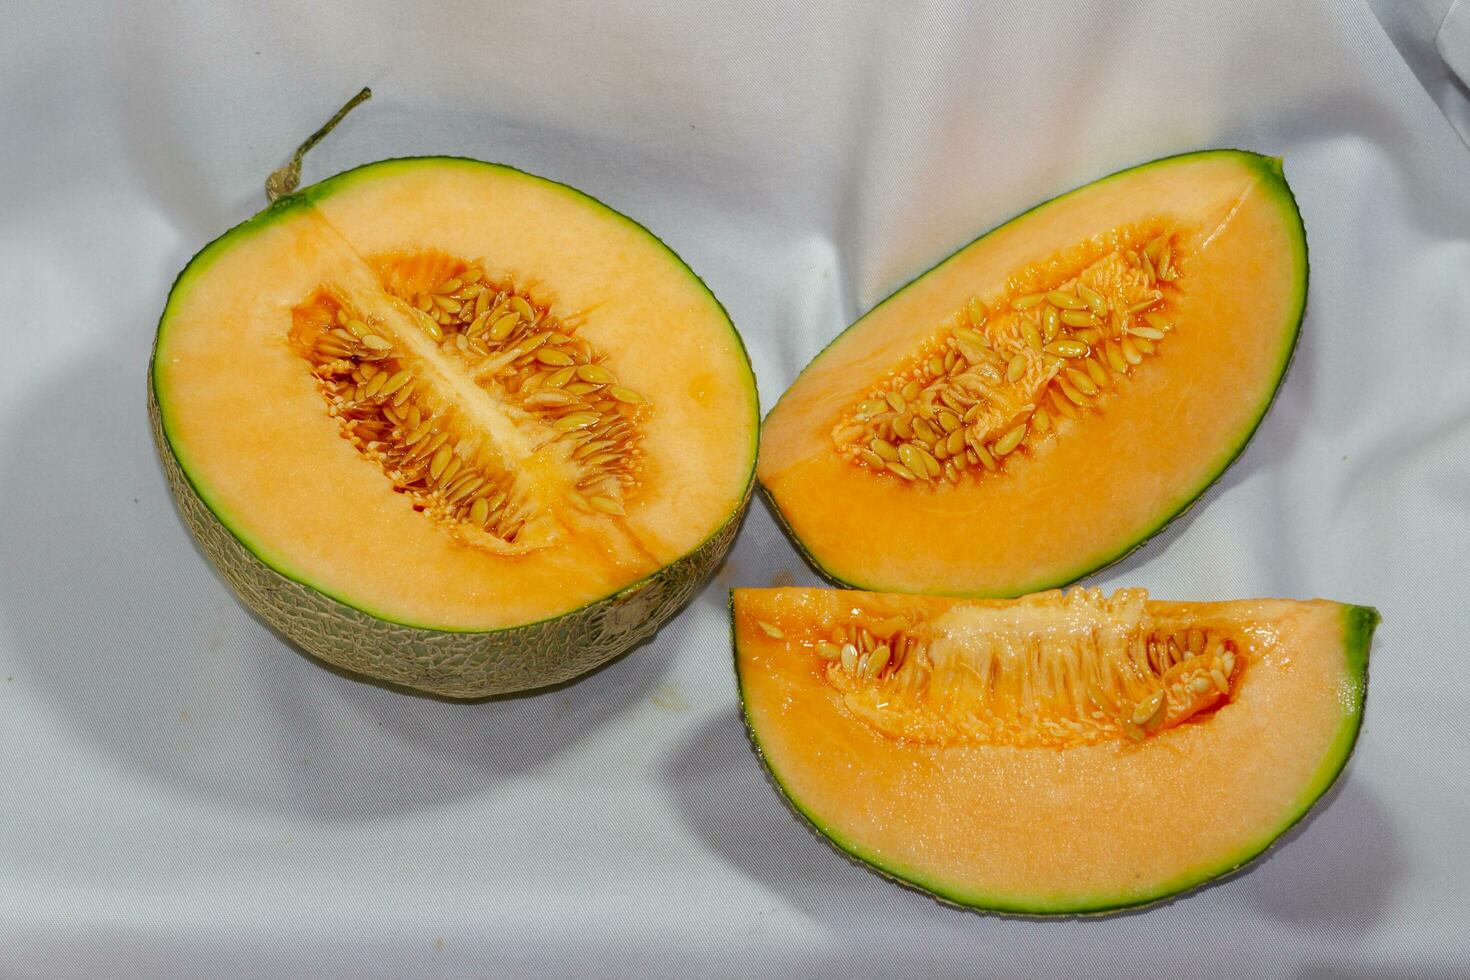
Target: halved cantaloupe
1053,754
452,425
1051,395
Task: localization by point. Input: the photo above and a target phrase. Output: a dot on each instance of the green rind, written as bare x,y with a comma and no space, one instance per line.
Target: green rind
1358,623
1271,169
443,661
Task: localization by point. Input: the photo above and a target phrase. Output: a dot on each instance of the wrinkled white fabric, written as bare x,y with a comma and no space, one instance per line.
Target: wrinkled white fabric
182,794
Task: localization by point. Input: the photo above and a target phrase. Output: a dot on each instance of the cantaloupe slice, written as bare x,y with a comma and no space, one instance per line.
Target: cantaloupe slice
453,425
1046,398
1053,754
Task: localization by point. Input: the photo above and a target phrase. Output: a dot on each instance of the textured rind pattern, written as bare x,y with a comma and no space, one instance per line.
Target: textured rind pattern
450,664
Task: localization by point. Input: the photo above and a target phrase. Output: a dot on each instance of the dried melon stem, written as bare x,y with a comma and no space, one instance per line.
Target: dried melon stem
996,381
1047,670
475,399
285,180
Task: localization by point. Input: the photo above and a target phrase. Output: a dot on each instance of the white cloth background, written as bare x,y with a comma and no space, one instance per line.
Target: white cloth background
182,794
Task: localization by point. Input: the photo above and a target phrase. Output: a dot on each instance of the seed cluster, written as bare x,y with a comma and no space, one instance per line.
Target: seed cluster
391,416
995,380
538,361
860,653
1195,670
517,351
1027,688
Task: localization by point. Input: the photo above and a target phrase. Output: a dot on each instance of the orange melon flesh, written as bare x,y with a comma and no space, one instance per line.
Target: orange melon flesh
245,417
1045,830
1091,489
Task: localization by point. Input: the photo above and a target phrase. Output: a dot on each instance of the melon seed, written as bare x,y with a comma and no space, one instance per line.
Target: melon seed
554,356
1010,440
1094,299
396,382
1073,395
1081,381
606,505
440,460
627,395
1151,711
909,456
527,312
1051,324
1067,348
1031,334
900,470
878,659
502,327
595,374
576,420
1101,699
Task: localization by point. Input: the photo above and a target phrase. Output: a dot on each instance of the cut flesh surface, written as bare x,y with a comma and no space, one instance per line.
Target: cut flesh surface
1056,753
1049,396
455,396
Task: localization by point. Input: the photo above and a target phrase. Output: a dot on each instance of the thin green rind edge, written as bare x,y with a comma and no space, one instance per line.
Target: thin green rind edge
1271,167
449,662
1358,623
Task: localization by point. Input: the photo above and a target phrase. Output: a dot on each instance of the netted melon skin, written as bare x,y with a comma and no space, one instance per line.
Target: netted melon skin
448,664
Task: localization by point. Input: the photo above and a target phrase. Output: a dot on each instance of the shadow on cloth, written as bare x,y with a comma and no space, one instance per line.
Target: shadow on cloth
126,634
1336,868
727,801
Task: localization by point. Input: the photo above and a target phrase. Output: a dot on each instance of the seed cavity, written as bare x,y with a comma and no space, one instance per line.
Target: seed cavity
554,386
1048,670
1033,363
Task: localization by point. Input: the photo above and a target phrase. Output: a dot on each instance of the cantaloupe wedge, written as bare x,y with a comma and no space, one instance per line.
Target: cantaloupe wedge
1053,754
1048,397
